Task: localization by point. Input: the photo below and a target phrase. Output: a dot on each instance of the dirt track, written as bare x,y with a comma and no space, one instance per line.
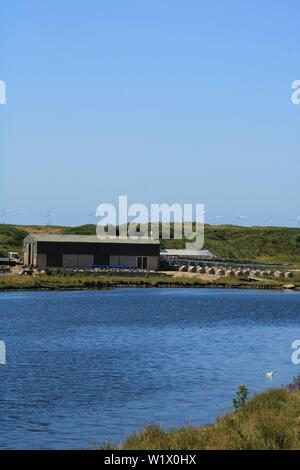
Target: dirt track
203,277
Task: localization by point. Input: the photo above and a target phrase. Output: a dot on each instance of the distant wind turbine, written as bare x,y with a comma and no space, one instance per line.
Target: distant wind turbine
4,215
297,220
92,215
204,214
49,215
239,217
270,218
216,217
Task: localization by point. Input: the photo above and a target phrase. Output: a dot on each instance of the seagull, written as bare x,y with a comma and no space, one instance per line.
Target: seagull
269,375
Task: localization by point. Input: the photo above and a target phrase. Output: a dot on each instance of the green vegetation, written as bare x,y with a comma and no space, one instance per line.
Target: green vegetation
82,230
270,421
11,238
60,280
261,244
241,397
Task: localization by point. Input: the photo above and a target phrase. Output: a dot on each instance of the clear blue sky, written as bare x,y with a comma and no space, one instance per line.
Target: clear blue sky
162,100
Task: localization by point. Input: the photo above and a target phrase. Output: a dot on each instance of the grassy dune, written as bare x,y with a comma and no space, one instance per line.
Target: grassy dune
269,421
262,244
12,236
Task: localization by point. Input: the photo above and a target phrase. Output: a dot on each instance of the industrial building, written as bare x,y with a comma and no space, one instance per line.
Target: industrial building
81,251
171,258
191,255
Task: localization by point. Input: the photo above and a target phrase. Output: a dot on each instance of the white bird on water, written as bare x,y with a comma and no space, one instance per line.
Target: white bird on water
269,375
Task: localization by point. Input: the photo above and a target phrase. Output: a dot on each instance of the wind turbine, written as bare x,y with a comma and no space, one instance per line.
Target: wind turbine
216,217
239,217
49,215
270,218
204,214
297,220
92,215
4,214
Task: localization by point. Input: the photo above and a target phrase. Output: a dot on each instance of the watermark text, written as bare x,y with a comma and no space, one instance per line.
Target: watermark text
2,353
2,92
296,353
296,94
160,221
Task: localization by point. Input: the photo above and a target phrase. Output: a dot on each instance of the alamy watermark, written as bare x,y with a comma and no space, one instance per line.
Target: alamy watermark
296,94
163,221
2,353
2,92
296,354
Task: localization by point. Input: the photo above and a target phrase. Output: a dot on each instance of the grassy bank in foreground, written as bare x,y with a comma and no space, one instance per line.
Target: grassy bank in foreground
84,281
269,421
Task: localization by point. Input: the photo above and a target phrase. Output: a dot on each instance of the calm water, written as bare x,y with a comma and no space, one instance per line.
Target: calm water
87,367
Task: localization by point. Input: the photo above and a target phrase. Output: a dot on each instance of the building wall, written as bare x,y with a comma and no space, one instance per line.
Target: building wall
25,256
77,261
68,254
30,253
41,260
115,260
153,263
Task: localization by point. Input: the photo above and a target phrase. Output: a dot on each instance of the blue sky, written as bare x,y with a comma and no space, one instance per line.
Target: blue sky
164,101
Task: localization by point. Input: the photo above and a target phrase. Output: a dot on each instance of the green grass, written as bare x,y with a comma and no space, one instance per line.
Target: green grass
59,280
11,238
270,421
261,244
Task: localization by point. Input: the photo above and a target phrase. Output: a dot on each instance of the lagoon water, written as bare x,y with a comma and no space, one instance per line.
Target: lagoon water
88,367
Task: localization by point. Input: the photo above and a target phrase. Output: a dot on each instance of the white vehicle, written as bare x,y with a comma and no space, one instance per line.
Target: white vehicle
11,259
